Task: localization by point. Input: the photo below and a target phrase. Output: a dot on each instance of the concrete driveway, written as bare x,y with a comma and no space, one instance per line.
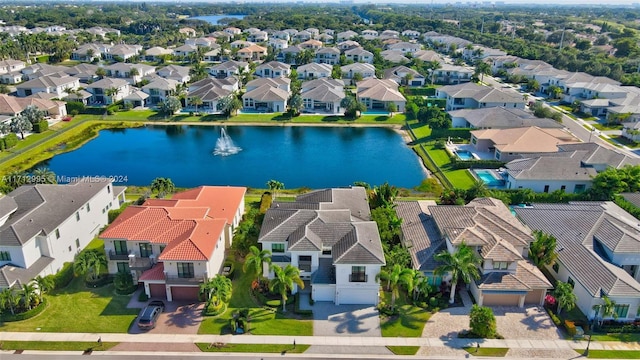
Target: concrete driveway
177,318
349,320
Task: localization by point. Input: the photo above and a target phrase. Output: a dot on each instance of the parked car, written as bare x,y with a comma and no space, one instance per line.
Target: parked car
150,314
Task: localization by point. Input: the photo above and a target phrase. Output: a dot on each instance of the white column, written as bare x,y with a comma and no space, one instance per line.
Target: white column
168,290
147,290
521,302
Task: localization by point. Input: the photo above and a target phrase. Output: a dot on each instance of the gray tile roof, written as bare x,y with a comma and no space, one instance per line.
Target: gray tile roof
500,117
359,246
550,168
12,275
42,208
419,233
633,198
577,227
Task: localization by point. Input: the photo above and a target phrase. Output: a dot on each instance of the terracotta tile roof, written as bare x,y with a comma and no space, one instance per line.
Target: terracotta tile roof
155,273
222,201
198,245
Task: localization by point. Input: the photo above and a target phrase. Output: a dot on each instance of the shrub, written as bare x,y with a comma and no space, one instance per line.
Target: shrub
143,297
232,267
265,202
475,164
8,317
40,126
482,321
433,302
554,318
213,310
10,140
63,277
571,327
113,214
75,106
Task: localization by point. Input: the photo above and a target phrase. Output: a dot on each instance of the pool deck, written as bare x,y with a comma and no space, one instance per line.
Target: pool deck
467,147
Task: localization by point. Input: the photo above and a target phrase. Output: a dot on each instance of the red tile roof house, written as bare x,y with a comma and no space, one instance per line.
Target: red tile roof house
171,246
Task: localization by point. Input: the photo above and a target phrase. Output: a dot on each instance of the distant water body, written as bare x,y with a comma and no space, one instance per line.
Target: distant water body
213,19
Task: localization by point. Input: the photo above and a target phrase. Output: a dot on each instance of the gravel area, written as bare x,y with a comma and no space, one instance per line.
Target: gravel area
541,353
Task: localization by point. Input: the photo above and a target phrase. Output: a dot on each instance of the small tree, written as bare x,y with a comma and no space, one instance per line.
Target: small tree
255,261
44,284
606,309
195,101
33,114
284,280
162,186
217,290
394,278
565,296
170,105
20,124
542,250
482,322
29,295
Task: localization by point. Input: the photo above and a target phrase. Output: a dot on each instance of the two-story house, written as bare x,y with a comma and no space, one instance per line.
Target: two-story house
314,71
323,95
328,55
359,54
133,73
273,69
174,245
56,84
328,235
228,68
108,91
43,226
377,94
473,96
160,89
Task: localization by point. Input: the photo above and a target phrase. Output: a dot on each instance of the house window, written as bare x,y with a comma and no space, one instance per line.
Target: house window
500,265
546,189
304,263
120,247
563,188
498,154
70,248
358,274
77,216
277,248
571,282
109,189
5,256
621,310
77,243
326,251
88,208
556,267
57,233
145,250
123,267
162,248
579,188
185,270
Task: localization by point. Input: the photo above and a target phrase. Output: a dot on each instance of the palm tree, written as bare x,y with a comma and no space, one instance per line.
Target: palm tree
606,309
417,281
217,290
255,260
296,104
101,72
44,284
162,185
542,250
195,101
8,298
29,294
482,68
90,263
274,186
462,264
432,66
15,179
284,280
43,175
394,278
565,296
111,92
383,195
478,189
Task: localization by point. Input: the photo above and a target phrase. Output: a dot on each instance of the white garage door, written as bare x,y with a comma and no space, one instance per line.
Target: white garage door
358,296
323,293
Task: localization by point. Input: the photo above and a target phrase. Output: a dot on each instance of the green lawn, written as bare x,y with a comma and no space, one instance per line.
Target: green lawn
404,350
253,348
612,354
263,321
421,131
439,156
460,178
624,141
78,309
616,337
494,352
408,323
56,345
605,127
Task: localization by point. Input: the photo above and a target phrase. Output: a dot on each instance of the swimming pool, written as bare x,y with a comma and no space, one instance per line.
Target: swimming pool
464,155
489,178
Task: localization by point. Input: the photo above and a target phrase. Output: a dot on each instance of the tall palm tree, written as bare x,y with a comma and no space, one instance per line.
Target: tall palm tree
111,92
284,280
255,260
417,281
90,263
44,284
43,175
461,264
195,101
29,294
482,68
274,186
394,278
9,299
565,296
217,290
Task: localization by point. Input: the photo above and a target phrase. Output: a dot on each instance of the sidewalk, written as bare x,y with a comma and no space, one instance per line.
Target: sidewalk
319,340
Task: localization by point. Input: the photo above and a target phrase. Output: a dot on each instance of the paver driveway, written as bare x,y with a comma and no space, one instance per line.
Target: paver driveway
177,318
349,320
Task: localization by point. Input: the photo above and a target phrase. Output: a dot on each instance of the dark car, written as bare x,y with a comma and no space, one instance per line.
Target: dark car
150,315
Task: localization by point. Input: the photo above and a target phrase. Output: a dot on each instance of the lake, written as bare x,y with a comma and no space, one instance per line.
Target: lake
213,19
298,156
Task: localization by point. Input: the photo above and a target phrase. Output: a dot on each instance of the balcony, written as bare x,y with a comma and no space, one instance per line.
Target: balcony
175,280
304,266
358,278
139,263
118,256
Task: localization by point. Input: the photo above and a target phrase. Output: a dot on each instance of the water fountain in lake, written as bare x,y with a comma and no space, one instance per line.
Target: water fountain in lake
225,146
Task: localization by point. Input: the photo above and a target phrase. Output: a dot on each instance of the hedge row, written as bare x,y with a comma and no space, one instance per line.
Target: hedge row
41,126
8,317
475,164
452,132
9,141
63,277
424,91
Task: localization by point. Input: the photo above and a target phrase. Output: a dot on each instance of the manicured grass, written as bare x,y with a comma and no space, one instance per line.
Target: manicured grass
404,350
495,352
626,142
421,131
79,309
605,127
263,321
439,156
56,345
460,178
612,354
408,323
253,348
616,337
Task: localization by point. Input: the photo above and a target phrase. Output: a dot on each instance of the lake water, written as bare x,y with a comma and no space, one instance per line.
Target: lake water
213,19
314,157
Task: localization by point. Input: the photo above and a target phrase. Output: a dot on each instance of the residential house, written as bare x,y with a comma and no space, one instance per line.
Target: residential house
598,247
85,72
313,71
325,38
411,34
57,84
43,226
311,44
273,69
571,169
267,95
108,91
37,70
364,70
252,53
201,42
359,55
221,35
138,99
160,89
451,74
258,37
239,44
328,235
394,56
174,245
302,36
187,31
498,118
369,34
156,54
11,106
511,144
89,52
405,47
185,50
133,73
313,31
11,66
281,35
232,31
211,93
278,44
230,83
82,96
389,34
473,96
289,55
403,75
323,95
378,94
15,77
213,55
477,52
328,55
175,72
427,55
631,131
348,44
507,277
229,68
122,52
346,35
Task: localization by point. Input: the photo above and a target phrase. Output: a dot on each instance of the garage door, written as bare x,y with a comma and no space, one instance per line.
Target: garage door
158,291
184,293
533,297
500,300
323,293
358,296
